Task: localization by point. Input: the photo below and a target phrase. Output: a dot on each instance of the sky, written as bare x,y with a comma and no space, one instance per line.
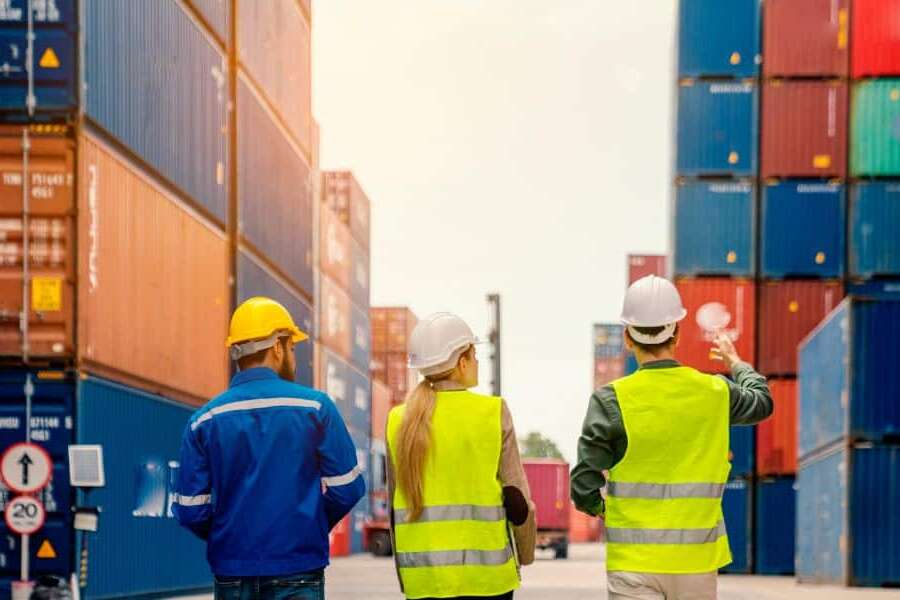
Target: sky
515,146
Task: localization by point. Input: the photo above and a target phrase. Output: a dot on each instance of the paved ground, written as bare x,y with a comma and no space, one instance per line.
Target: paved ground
579,578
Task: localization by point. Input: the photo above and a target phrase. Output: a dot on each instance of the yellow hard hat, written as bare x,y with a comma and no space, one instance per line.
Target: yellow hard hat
260,320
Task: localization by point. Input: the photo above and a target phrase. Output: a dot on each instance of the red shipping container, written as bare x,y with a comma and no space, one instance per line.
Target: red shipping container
339,538
641,265
806,38
607,370
548,479
382,402
335,251
400,378
334,322
788,311
875,38
391,328
584,528
776,447
713,305
804,129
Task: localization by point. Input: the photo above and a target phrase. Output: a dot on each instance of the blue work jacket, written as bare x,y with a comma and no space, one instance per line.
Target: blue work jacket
267,469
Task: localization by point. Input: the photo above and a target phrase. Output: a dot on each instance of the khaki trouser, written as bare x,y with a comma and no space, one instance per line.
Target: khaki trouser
623,585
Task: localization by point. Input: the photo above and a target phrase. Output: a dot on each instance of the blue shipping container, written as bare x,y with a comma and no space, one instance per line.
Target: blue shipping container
848,376
803,225
55,58
217,14
254,279
275,212
846,512
719,39
715,225
879,288
631,364
158,83
609,340
717,128
875,229
742,445
350,389
361,333
776,525
359,276
736,508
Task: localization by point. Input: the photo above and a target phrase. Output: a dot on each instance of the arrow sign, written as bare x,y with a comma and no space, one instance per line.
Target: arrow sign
26,468
25,461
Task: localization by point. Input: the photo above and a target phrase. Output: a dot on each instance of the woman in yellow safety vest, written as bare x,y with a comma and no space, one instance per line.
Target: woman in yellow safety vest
462,519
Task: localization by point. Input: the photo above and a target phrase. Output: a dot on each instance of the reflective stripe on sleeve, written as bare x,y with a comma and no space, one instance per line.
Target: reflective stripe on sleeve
665,491
455,512
454,558
192,500
618,535
345,479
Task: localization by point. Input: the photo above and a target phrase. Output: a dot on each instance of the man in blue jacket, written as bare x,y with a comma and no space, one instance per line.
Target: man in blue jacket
267,467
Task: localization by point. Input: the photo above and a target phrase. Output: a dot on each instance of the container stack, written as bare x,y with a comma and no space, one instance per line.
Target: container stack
158,175
640,266
609,353
391,328
343,348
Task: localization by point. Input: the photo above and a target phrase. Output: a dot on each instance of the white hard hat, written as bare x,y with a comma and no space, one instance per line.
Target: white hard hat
652,302
437,342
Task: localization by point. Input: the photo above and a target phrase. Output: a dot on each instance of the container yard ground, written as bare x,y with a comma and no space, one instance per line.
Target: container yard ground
581,577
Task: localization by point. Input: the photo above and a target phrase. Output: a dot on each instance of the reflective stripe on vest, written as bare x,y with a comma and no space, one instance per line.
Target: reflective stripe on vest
454,558
665,536
459,512
663,491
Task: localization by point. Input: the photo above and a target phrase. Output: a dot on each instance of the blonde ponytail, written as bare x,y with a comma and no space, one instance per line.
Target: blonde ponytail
413,446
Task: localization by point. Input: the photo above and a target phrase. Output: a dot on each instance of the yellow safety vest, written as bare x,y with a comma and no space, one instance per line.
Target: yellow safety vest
459,546
664,499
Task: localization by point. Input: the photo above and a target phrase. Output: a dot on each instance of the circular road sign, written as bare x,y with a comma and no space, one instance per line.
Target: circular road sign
25,468
25,515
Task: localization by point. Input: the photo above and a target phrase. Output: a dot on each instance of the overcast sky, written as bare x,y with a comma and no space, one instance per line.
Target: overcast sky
518,146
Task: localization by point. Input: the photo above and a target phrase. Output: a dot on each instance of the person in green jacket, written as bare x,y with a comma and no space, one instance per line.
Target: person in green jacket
657,441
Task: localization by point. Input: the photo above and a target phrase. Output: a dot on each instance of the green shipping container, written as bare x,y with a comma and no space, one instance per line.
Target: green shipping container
875,132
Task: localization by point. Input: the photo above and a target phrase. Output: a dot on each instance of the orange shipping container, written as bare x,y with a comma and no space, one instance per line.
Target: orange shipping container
776,447
391,328
343,194
584,528
334,322
335,251
382,402
153,302
392,368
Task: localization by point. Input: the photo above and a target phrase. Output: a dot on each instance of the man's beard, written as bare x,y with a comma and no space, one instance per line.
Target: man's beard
286,372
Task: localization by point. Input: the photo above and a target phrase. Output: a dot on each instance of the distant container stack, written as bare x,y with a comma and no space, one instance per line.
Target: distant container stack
609,353
640,266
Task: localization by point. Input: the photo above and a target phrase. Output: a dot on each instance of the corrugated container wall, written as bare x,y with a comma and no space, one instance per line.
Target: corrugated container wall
788,311
776,438
713,305
640,266
349,388
875,147
142,436
882,289
737,505
608,340
848,381
815,249
345,196
335,249
776,525
153,268
55,64
275,211
143,59
335,328
51,252
874,229
846,507
549,482
391,328
717,128
806,38
360,338
741,450
715,226
359,275
719,39
255,279
274,48
875,38
804,129
217,14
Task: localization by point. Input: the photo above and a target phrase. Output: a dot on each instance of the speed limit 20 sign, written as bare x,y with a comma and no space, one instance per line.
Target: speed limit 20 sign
25,515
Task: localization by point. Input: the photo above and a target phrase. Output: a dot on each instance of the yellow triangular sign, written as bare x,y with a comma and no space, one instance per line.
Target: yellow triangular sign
46,550
49,60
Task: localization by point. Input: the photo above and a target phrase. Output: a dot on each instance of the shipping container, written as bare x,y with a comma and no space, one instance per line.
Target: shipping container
344,195
881,289
715,228
608,340
217,16
351,391
339,538
152,270
359,275
741,450
737,509
848,387
815,249
607,370
642,265
717,128
631,364
335,250
806,38
719,39
548,479
776,438
391,328
255,279
584,529
55,64
51,247
875,39
874,143
143,59
788,311
804,129
382,403
275,212
335,318
274,48
141,435
847,503
874,229
360,338
776,525
713,305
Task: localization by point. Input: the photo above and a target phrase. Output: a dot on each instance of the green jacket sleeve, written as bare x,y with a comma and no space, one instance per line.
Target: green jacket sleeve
601,446
751,401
